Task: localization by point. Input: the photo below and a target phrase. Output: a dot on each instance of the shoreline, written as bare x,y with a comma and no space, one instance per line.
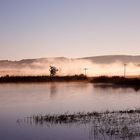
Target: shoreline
116,81
42,79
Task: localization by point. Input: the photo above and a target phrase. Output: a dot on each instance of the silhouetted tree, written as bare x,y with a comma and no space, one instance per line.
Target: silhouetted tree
53,70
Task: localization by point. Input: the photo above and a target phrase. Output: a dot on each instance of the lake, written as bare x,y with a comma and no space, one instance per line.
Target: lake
18,101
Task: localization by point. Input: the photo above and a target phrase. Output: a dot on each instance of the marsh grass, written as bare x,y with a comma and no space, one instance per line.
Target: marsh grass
104,125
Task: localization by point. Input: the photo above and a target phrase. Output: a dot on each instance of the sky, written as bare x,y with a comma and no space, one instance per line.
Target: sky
68,28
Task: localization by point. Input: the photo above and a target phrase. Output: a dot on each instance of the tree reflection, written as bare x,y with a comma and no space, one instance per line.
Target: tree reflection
53,90
115,87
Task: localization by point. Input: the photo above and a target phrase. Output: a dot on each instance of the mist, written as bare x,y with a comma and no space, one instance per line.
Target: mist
66,67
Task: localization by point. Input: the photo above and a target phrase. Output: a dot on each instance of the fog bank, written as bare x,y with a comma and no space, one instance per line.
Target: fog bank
67,67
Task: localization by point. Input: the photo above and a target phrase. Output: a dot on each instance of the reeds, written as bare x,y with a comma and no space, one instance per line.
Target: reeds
66,117
114,124
80,116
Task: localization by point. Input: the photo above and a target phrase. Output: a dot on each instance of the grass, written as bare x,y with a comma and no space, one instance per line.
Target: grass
104,125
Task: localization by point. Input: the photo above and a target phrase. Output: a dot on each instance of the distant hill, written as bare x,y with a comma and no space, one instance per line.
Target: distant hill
95,59
114,58
30,62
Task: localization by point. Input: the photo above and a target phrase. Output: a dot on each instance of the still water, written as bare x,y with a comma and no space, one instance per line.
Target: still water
18,101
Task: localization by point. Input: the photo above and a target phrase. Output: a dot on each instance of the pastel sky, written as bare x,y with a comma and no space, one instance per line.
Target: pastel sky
69,28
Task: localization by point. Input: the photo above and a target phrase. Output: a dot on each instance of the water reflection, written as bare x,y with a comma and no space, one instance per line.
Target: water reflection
115,87
20,100
53,90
